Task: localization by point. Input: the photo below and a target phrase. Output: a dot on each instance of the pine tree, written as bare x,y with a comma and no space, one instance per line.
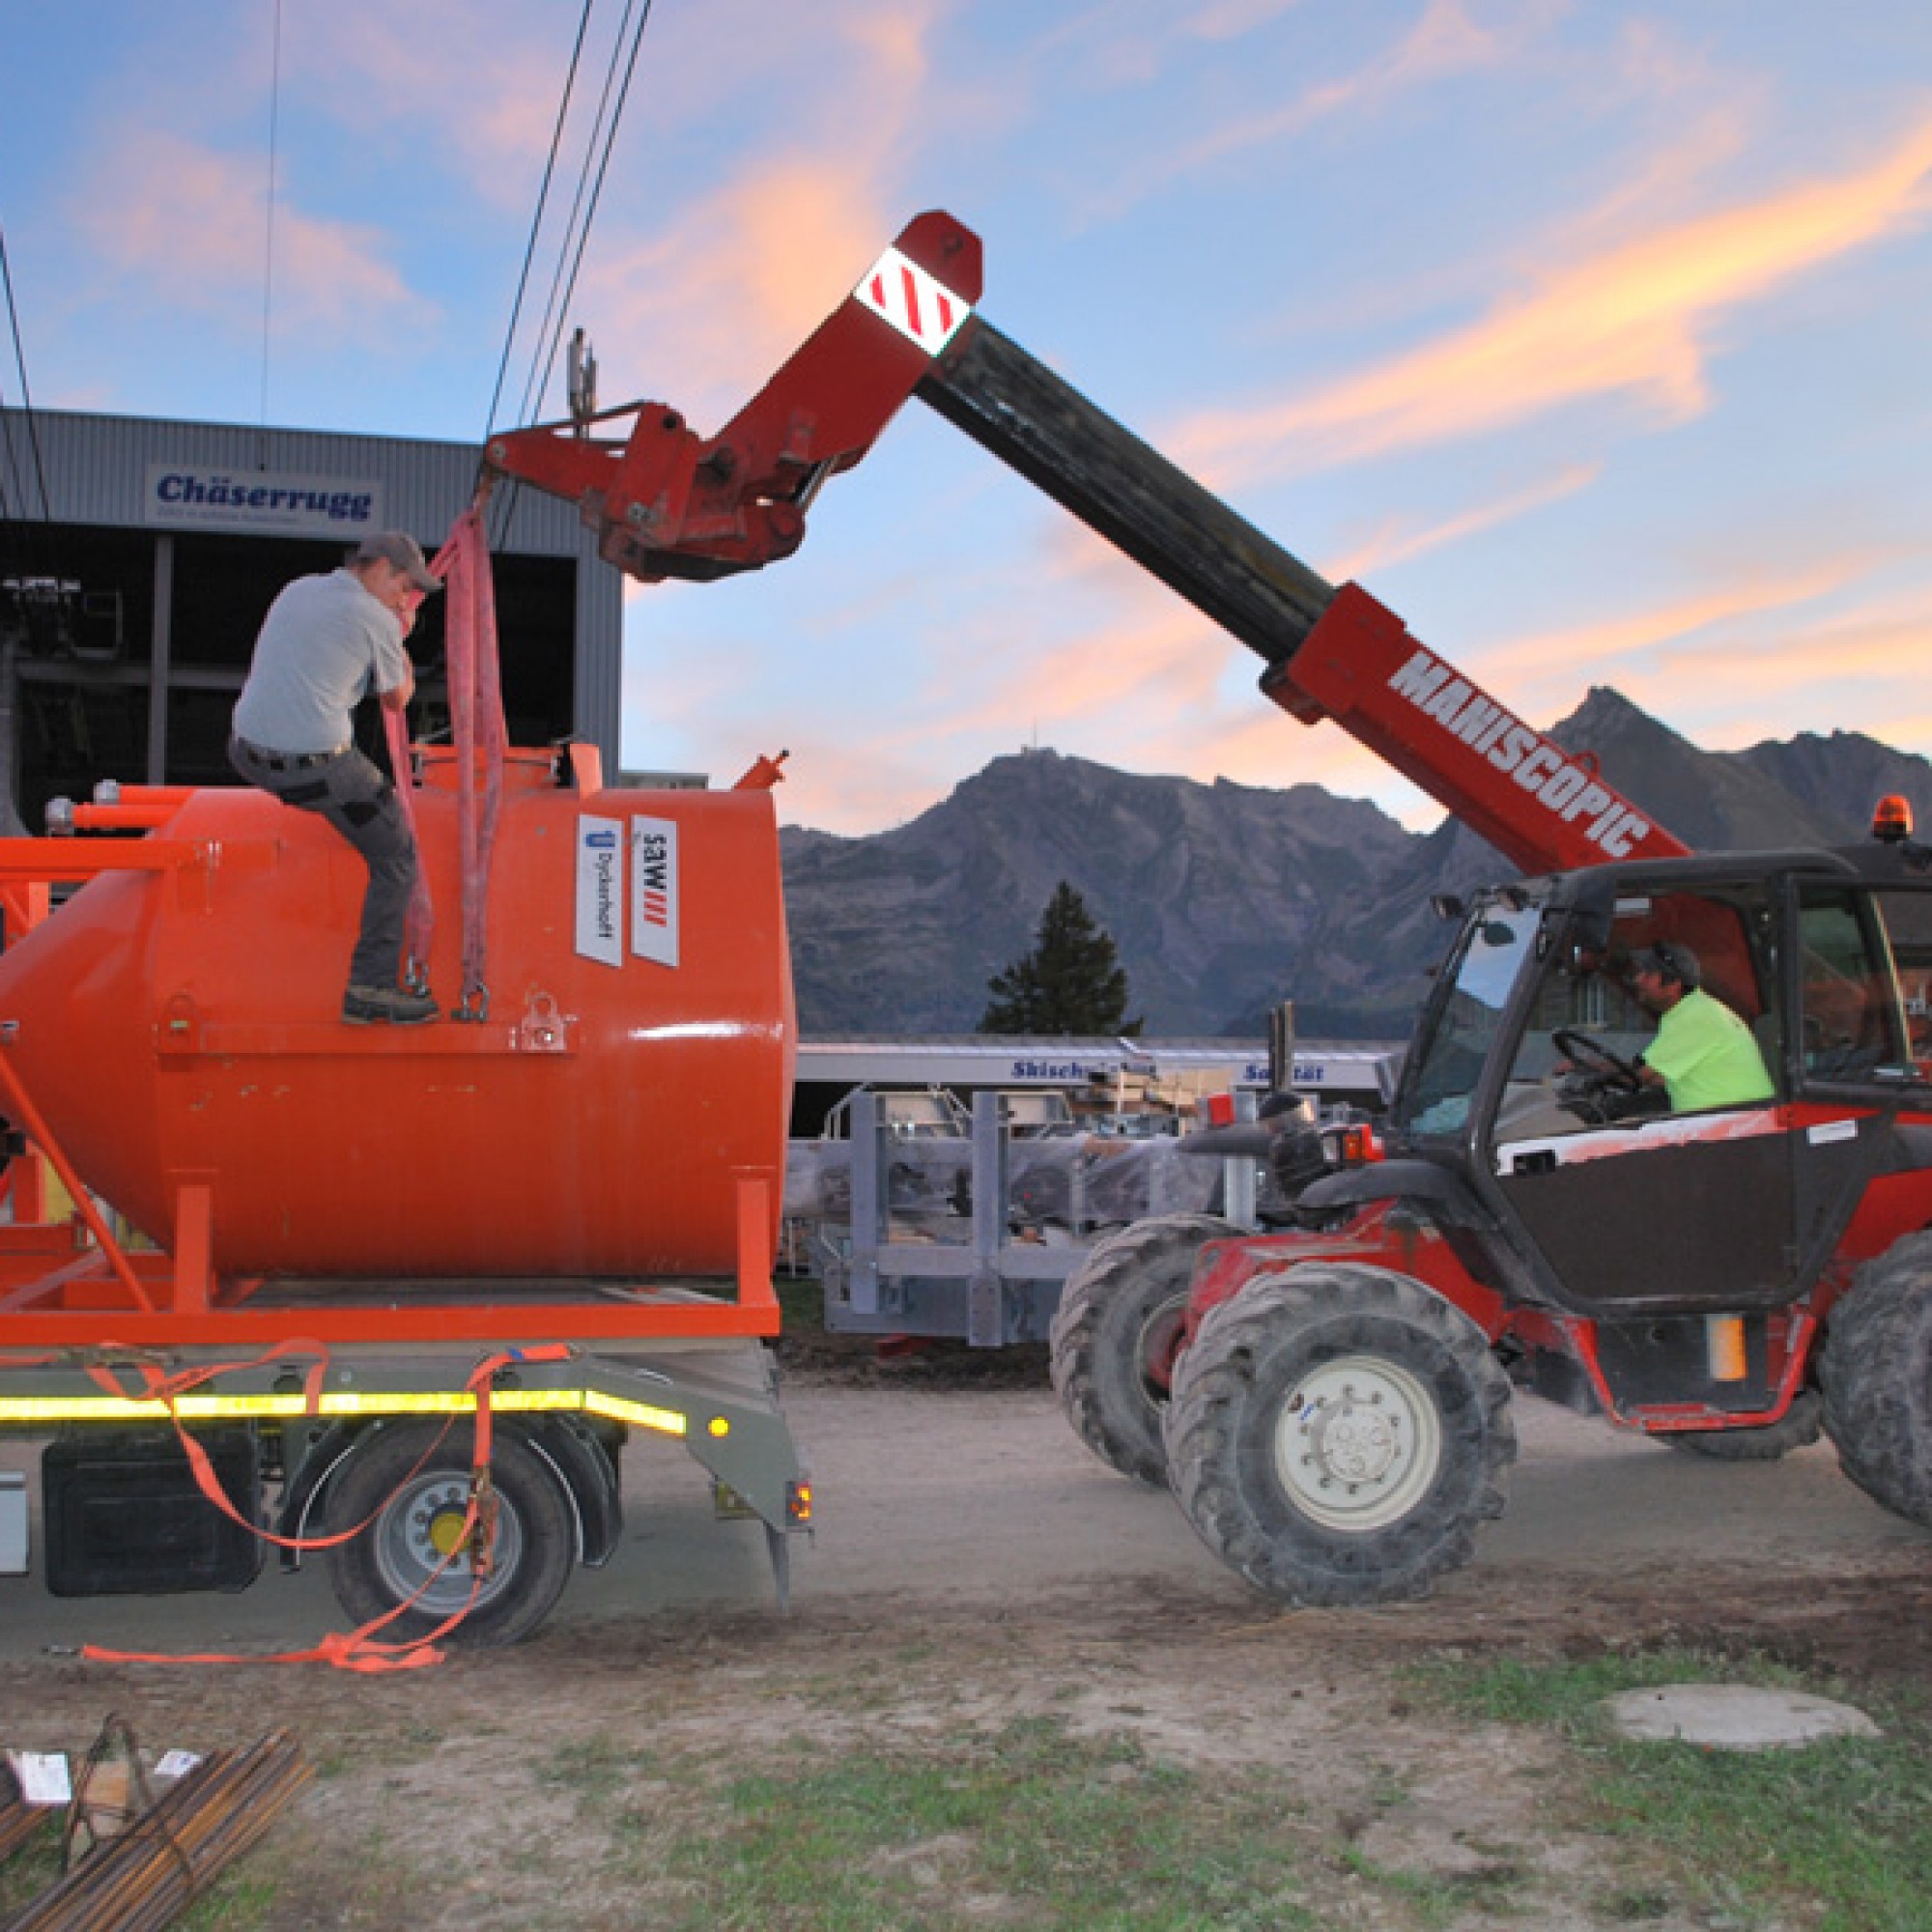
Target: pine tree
1072,982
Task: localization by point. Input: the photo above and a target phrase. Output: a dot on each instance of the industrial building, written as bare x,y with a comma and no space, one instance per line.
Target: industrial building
138,556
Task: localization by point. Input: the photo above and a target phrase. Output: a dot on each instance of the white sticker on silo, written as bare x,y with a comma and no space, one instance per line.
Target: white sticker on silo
654,897
600,889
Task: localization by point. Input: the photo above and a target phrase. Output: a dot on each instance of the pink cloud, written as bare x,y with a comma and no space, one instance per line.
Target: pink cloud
1600,649
1628,320
479,79
188,222
1393,542
1445,42
710,305
1859,669
1119,44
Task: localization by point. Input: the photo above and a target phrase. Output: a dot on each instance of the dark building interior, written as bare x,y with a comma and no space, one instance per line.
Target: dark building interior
80,644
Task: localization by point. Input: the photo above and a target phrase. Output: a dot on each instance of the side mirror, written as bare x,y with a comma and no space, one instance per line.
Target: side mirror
1447,906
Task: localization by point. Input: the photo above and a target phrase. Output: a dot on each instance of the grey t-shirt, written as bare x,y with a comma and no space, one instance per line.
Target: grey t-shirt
325,643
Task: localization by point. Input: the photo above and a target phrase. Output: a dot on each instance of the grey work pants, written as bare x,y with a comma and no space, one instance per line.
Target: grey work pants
359,801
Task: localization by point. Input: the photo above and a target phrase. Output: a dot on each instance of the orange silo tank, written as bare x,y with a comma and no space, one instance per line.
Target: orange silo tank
634,1065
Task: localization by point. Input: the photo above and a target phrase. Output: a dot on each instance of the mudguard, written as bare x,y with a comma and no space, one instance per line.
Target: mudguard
1448,1198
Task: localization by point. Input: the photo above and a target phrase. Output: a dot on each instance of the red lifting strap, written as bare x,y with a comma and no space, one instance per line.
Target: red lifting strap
420,924
476,724
476,727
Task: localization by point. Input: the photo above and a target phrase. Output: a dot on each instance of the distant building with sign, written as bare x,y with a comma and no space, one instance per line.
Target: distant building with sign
1353,1073
138,557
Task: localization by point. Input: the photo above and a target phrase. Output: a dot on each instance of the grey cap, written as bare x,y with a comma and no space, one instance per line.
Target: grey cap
400,548
1669,959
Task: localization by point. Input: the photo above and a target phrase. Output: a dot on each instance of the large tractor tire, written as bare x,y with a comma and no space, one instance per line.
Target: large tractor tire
416,1489
1876,1376
1337,1433
1115,1334
1798,1428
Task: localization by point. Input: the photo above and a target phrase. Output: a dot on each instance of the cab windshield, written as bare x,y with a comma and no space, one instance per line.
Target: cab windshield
1459,1028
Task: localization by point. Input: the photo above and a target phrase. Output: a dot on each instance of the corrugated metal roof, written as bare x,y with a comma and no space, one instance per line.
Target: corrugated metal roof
95,469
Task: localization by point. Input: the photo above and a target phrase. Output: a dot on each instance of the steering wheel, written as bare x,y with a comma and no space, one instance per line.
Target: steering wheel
1594,1057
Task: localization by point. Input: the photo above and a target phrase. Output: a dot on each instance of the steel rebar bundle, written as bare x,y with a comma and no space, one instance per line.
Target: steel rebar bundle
143,1879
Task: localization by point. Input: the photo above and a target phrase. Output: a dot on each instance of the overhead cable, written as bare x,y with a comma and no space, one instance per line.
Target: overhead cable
536,221
550,335
26,396
582,212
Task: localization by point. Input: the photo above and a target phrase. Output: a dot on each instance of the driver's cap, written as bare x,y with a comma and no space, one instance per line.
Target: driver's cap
1669,959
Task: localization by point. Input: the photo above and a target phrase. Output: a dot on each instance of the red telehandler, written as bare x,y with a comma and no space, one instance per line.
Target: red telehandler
1330,1400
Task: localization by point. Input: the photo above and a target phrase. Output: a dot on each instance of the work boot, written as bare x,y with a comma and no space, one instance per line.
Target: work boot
368,1005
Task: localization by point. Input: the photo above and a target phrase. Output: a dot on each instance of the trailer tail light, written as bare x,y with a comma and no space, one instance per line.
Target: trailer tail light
798,1504
1892,820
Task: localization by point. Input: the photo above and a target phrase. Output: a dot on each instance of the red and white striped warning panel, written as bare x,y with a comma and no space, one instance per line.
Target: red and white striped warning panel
919,305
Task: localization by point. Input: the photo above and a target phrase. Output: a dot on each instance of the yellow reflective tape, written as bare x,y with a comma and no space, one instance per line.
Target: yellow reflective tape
19,1410
74,1408
666,1421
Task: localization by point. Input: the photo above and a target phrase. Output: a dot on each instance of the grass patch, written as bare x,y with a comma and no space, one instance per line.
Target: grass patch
596,1771
1438,1900
1840,1829
1024,1825
33,1870
240,1902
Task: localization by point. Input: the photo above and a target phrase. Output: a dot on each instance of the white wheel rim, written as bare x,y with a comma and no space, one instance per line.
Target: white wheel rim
418,1526
1358,1443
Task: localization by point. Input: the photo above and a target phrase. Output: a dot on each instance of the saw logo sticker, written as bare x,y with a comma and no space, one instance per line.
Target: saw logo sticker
600,890
654,890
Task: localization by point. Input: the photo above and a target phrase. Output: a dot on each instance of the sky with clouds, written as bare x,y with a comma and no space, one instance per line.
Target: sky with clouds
1590,335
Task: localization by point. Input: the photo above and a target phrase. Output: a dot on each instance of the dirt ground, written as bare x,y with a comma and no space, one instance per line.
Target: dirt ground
974,1564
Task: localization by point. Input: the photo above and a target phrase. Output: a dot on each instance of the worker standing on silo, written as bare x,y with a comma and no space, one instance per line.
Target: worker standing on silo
328,642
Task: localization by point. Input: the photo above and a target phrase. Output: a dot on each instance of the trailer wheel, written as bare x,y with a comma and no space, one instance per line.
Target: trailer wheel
1116,1332
418,1512
1337,1433
1876,1376
1798,1428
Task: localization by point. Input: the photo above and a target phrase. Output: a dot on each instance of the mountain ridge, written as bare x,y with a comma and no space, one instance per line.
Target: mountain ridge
1225,898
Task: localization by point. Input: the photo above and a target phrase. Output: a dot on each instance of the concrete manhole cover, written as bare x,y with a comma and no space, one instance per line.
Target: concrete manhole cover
1733,1717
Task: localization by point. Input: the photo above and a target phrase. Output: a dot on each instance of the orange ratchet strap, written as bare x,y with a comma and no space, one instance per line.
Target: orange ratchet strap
353,1650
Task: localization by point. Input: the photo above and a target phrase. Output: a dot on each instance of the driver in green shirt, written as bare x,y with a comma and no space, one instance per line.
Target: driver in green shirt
1703,1055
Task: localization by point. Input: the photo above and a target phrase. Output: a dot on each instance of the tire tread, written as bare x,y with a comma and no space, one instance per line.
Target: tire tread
1097,1386
1876,1374
1347,1304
